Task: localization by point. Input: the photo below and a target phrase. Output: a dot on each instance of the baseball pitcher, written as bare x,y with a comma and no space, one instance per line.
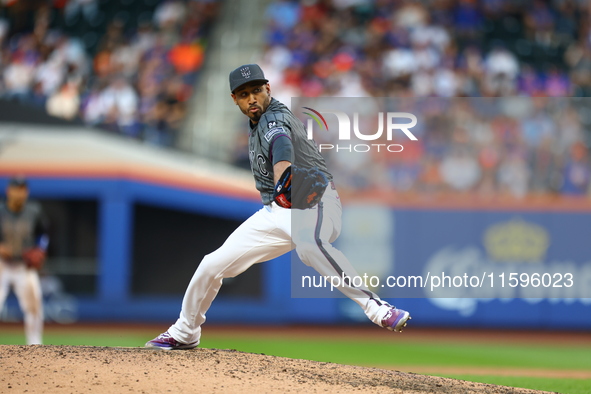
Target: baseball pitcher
292,179
23,242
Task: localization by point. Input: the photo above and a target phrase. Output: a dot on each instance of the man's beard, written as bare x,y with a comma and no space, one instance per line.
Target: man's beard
256,116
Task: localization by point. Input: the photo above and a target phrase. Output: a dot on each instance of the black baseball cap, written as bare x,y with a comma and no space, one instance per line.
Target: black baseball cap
245,74
18,181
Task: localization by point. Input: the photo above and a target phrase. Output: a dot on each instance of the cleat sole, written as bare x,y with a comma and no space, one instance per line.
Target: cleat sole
402,322
404,325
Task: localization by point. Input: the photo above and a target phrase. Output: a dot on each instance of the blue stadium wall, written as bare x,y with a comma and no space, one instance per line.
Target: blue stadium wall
433,230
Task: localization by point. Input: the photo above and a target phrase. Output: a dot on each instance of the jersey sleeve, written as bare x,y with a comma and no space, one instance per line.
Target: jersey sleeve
281,150
276,138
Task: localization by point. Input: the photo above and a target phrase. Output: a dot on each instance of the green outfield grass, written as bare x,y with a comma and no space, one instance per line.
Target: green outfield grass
84,338
372,353
569,386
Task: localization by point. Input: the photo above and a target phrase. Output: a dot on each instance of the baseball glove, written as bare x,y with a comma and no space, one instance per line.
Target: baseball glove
300,188
34,258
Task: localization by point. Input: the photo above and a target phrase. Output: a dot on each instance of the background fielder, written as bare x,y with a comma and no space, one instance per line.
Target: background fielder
23,242
277,140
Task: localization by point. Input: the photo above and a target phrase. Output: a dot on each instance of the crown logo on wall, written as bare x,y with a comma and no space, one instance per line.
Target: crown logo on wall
516,241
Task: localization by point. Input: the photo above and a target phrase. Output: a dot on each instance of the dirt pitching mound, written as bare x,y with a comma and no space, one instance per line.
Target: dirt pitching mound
76,369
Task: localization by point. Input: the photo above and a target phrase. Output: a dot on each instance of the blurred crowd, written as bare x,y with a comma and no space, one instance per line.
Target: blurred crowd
444,48
449,48
129,72
515,147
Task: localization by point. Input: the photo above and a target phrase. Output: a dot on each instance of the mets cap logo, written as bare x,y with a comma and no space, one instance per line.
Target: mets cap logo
245,72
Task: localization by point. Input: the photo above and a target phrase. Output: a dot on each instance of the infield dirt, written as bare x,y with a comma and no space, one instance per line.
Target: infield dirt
79,369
